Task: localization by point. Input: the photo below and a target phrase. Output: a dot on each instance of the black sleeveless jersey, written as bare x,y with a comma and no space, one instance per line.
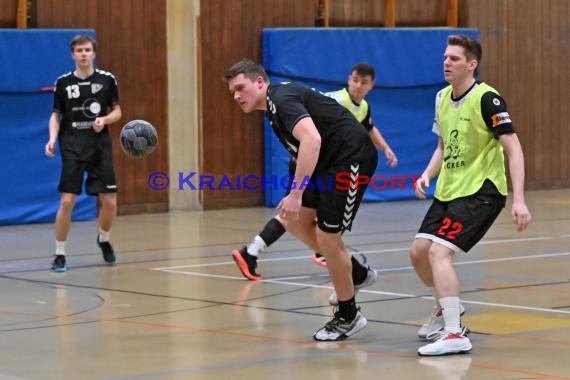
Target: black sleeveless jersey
80,101
343,138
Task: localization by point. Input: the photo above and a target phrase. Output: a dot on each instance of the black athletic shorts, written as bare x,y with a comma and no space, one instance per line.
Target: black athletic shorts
100,176
336,194
460,224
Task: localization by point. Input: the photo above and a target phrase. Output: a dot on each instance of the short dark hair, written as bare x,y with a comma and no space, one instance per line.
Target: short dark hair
82,39
364,69
248,68
473,49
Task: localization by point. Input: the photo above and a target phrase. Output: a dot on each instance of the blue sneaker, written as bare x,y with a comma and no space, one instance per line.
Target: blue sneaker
108,252
58,264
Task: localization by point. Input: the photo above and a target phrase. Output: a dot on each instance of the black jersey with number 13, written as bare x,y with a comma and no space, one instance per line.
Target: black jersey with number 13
80,101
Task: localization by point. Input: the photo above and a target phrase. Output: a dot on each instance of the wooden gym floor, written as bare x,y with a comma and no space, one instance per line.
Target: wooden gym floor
176,307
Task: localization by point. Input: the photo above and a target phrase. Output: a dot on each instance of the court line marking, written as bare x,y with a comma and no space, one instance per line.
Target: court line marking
500,259
388,250
281,281
417,296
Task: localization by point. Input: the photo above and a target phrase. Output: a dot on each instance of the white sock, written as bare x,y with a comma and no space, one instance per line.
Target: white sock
450,306
60,247
256,246
104,235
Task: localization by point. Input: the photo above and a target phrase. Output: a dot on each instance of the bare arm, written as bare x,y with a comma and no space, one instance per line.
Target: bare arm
110,118
380,143
520,213
310,144
54,120
432,169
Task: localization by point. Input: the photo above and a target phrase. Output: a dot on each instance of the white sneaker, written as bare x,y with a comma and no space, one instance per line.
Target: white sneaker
339,328
448,344
370,279
435,323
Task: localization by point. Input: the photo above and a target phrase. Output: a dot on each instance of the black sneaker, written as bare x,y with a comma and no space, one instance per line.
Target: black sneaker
246,263
339,328
108,251
58,264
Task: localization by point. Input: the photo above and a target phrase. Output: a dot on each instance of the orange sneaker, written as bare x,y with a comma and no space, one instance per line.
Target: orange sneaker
319,260
246,263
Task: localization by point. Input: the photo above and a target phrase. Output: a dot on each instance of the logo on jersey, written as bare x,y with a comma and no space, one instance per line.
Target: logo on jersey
96,87
271,106
501,118
91,108
454,150
82,124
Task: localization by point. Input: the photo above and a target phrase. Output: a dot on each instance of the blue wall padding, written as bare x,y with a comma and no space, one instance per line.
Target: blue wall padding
409,72
31,62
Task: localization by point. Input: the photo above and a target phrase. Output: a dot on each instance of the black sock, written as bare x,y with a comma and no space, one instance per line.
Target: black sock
347,309
359,271
272,231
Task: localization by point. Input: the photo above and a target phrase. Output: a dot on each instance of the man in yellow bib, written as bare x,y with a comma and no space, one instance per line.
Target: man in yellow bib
474,130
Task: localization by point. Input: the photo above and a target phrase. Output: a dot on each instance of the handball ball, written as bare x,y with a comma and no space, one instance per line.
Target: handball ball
138,138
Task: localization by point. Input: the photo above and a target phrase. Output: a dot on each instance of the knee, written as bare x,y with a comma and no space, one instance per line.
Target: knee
298,227
437,255
332,244
419,257
66,204
108,201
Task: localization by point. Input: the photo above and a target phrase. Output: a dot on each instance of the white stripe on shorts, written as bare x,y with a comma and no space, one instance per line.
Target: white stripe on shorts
351,197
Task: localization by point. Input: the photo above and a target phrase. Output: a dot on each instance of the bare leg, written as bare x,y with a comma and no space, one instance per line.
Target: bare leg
338,263
419,254
303,228
330,245
63,216
444,276
108,210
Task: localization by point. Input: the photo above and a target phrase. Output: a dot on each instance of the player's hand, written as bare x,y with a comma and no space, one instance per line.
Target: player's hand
290,206
50,148
99,124
421,184
521,215
391,159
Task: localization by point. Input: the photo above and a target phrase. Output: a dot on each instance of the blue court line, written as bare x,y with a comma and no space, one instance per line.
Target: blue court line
278,360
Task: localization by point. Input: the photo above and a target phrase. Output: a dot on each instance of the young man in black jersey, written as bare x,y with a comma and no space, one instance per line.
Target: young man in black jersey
360,83
474,131
326,141
85,102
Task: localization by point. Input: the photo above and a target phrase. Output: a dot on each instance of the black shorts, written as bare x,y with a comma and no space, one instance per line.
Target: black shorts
336,194
100,176
460,224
